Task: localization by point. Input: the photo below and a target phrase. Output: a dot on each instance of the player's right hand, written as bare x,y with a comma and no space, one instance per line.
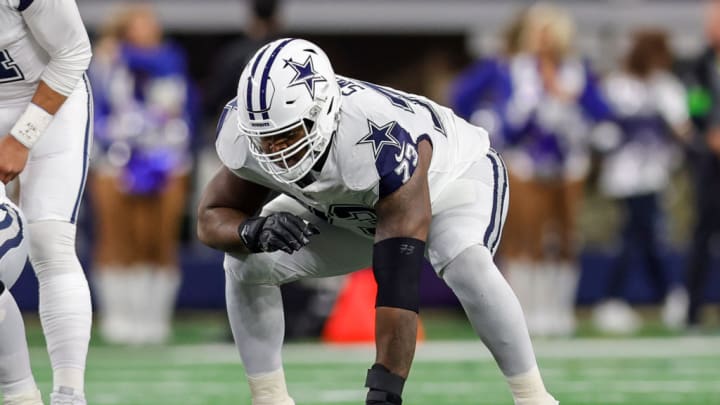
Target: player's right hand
277,231
13,158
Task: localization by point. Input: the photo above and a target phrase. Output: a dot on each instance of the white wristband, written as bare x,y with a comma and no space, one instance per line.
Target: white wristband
31,125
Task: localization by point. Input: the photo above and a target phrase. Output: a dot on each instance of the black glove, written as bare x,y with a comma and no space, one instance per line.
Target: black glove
277,231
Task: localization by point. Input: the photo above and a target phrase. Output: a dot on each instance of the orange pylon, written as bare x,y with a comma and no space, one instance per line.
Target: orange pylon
352,319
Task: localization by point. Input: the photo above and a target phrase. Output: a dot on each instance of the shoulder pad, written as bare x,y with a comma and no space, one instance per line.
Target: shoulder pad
231,146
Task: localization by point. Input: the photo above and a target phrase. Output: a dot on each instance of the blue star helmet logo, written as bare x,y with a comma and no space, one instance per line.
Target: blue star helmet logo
305,75
379,136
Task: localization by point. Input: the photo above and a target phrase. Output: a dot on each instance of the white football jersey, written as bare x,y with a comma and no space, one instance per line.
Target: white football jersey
43,39
372,154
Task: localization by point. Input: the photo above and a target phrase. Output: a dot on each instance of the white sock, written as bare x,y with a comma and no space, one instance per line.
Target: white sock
109,292
15,374
518,274
565,279
138,299
542,299
65,308
164,285
269,389
528,389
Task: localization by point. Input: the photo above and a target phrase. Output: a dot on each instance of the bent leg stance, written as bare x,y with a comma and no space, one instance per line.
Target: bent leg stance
254,302
461,244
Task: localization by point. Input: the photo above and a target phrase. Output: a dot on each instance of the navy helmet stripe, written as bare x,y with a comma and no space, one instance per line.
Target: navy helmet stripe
24,4
266,76
252,73
7,221
257,60
248,102
15,240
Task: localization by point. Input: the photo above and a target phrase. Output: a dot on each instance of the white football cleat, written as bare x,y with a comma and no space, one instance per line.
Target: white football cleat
674,311
66,396
33,398
617,317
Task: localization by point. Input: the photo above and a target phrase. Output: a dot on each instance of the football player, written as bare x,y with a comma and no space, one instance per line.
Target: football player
369,176
45,129
16,381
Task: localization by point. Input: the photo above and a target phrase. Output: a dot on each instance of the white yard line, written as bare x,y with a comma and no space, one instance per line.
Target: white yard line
444,351
435,351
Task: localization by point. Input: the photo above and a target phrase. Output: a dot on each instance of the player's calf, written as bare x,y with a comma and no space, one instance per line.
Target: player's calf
64,307
385,387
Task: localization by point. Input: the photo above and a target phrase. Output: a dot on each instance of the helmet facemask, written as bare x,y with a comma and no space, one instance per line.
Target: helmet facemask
288,155
289,103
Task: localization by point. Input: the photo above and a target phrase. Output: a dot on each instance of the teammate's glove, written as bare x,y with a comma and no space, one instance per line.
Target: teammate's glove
277,231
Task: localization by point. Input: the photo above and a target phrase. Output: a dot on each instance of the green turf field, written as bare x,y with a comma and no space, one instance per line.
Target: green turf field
640,371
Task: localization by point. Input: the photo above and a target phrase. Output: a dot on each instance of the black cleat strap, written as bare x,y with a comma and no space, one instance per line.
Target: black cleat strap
380,378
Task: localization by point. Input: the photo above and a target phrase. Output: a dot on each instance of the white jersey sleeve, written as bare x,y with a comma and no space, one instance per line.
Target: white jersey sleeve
382,128
59,30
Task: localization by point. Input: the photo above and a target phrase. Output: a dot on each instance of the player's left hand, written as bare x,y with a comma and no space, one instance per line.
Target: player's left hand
277,231
13,158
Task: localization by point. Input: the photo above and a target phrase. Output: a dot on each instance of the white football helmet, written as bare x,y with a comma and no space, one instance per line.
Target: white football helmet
288,107
13,245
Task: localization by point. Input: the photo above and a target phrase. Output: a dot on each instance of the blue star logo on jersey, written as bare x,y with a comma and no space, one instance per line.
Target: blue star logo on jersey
379,136
305,75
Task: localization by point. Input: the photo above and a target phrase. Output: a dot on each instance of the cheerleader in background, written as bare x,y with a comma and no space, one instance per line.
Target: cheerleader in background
140,176
480,93
649,103
553,107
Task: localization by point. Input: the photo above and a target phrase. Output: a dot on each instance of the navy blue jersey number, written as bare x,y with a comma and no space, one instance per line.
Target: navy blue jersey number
346,216
9,71
404,102
362,218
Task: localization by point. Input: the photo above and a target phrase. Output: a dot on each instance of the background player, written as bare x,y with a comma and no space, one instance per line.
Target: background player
45,119
356,162
16,381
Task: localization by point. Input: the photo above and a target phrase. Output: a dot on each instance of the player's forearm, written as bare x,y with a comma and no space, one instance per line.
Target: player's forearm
37,116
47,98
395,338
218,229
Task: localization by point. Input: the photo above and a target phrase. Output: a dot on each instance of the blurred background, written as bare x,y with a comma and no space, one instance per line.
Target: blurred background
607,113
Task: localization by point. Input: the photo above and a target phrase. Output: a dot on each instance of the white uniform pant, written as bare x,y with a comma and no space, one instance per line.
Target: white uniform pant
52,183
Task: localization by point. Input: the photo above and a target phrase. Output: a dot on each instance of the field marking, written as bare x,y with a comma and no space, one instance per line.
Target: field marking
435,351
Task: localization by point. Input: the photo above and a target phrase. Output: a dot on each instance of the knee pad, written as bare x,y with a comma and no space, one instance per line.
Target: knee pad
52,246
